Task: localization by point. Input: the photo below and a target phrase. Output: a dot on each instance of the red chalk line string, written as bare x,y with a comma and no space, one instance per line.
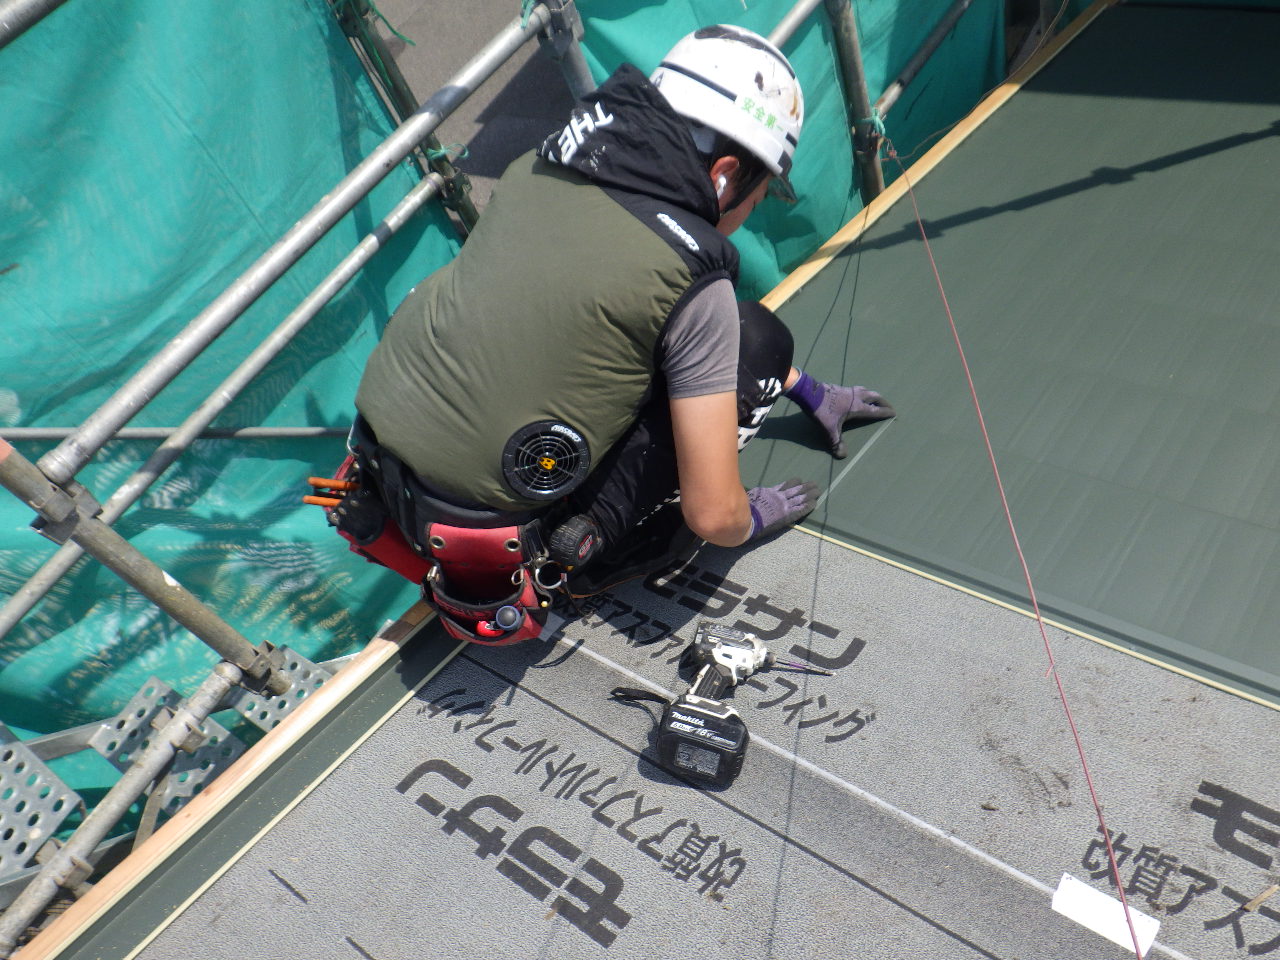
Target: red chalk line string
1026,570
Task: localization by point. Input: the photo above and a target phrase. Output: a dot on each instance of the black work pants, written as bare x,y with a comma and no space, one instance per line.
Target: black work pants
633,494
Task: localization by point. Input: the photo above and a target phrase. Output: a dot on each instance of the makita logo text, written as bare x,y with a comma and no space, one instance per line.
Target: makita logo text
685,717
580,126
679,231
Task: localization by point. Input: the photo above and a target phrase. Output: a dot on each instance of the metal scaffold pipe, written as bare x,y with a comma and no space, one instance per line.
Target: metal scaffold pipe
164,433
560,41
573,65
18,16
866,139
69,865
357,19
63,462
44,579
790,23
61,512
927,49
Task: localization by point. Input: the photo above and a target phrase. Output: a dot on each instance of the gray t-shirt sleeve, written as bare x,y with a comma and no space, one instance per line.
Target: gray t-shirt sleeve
699,346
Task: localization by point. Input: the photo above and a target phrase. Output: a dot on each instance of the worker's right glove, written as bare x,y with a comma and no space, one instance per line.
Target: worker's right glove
776,508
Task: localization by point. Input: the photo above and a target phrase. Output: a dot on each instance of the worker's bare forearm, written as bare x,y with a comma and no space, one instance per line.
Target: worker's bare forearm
726,524
712,499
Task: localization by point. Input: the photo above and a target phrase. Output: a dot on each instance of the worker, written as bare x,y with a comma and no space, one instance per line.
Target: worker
561,407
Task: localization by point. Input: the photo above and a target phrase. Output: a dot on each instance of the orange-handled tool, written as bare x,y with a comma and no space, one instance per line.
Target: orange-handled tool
331,484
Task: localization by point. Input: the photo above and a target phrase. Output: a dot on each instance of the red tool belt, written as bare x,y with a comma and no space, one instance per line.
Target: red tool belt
489,564
486,582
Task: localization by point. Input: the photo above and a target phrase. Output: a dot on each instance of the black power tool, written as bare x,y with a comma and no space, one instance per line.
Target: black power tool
700,737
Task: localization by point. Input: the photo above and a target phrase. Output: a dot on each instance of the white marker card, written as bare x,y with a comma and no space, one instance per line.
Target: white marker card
1103,914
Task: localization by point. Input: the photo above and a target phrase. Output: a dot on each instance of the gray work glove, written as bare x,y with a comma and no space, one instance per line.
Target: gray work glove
843,404
776,508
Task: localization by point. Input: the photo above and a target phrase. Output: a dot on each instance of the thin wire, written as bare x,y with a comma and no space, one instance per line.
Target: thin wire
1022,560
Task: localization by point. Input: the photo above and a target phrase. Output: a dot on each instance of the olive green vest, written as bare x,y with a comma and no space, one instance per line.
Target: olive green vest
551,311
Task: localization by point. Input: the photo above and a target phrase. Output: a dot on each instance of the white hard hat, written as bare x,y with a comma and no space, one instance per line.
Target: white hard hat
739,84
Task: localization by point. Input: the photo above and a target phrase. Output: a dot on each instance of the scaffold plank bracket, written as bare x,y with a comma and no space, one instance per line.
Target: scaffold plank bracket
33,803
209,749
305,678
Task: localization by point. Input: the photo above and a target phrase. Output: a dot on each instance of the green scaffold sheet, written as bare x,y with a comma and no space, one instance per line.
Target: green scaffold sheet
152,151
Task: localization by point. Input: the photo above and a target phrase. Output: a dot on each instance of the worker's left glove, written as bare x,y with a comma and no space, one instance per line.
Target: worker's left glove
776,508
833,406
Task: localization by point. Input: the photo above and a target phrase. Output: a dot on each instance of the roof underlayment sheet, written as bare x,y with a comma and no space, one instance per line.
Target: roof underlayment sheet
923,802
1107,242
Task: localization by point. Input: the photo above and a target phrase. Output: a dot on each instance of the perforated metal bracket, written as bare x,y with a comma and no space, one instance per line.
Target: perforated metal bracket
192,771
209,750
305,678
129,731
33,803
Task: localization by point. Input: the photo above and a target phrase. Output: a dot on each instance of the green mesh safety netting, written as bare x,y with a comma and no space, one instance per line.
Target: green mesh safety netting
778,237
151,152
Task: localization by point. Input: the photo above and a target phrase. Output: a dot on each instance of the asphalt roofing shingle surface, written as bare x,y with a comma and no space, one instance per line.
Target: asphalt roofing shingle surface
922,802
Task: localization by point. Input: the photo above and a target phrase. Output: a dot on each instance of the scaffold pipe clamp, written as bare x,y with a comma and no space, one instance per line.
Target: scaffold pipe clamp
26,481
